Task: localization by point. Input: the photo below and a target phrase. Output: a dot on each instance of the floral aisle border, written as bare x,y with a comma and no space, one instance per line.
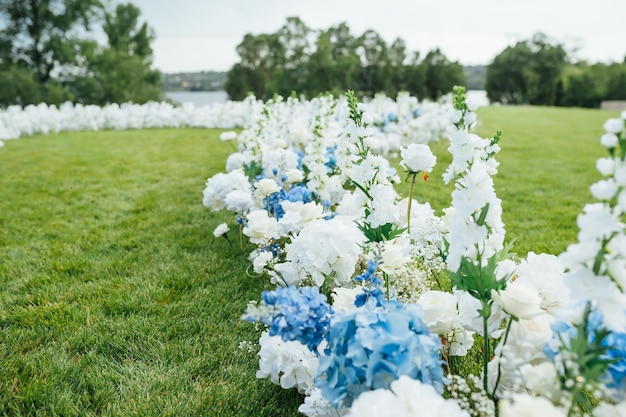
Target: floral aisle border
317,199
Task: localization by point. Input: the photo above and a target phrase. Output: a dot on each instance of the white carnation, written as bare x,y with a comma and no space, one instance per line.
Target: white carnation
604,189
614,125
609,140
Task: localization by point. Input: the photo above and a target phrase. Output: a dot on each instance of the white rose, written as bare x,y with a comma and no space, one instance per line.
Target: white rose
266,186
519,300
220,230
609,140
294,176
394,256
260,226
439,311
417,157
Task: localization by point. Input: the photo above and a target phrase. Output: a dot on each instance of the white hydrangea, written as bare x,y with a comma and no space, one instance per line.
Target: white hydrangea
406,398
220,185
327,248
525,405
288,364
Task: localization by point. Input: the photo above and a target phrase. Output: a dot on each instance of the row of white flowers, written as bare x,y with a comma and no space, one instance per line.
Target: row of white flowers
315,193
17,122
397,117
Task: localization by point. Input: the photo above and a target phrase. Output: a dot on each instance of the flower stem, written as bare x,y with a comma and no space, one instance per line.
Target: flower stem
408,209
485,354
506,336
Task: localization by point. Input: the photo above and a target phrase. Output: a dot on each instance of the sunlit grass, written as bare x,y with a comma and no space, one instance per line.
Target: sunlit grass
116,299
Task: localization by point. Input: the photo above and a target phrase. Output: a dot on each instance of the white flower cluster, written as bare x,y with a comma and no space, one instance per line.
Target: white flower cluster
406,398
474,221
596,264
317,196
288,364
17,122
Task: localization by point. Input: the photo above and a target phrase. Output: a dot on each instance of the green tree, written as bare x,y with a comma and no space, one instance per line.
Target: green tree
506,80
260,57
397,59
529,72
415,77
43,37
121,71
544,70
579,88
440,74
375,69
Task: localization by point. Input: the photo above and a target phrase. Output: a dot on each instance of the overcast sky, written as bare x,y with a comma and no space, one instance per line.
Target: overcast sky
197,35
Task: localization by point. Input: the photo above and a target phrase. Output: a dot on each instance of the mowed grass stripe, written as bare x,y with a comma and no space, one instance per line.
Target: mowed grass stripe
116,299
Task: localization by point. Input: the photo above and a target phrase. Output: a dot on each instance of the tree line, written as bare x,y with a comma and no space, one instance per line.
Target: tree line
541,71
48,53
298,59
310,62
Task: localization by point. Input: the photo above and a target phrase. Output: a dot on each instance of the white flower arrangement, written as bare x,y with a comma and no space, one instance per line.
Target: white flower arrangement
332,219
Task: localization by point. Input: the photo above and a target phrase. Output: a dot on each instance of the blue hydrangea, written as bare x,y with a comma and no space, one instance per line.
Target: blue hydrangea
299,193
371,347
615,356
272,203
300,314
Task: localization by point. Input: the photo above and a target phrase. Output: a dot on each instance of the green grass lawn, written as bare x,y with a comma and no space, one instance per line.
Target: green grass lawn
116,299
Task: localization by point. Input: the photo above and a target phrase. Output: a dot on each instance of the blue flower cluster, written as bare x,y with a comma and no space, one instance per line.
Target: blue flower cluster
300,314
297,193
371,347
617,369
612,349
331,164
372,286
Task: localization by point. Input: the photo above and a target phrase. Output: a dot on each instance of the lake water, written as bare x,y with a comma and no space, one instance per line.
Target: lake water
198,98
201,98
